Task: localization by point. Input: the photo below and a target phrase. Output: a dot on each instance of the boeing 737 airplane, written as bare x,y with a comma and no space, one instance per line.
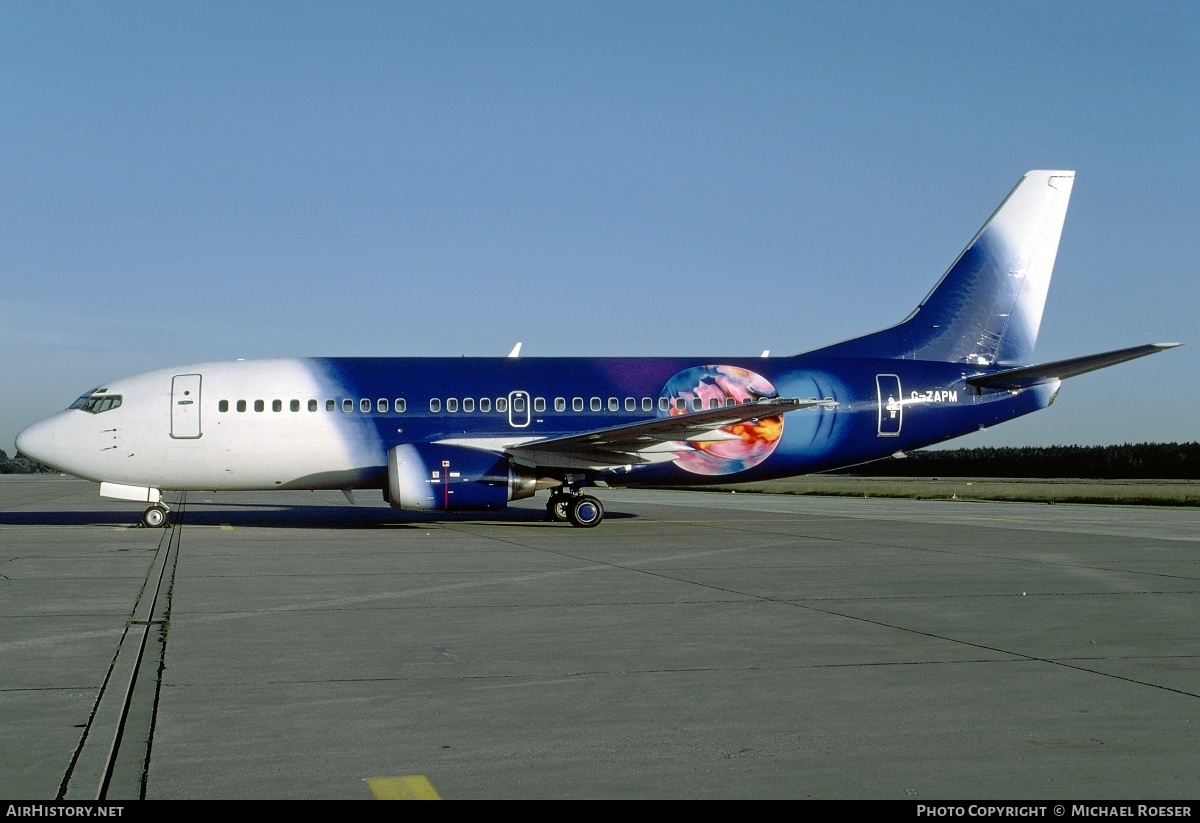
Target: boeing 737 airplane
453,434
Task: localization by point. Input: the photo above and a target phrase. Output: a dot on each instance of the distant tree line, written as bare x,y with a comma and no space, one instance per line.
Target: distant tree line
1130,461
20,465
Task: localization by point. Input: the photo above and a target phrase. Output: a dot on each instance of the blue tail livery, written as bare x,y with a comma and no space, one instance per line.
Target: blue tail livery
446,434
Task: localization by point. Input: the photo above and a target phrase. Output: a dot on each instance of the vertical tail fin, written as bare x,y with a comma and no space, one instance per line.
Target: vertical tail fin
987,307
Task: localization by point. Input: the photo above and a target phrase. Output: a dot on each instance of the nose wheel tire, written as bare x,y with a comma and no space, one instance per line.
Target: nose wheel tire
155,517
585,512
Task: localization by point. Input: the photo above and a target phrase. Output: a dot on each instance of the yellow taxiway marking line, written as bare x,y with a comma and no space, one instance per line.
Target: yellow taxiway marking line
225,527
409,787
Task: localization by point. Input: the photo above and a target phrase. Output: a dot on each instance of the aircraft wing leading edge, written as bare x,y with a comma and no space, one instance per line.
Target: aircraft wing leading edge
651,441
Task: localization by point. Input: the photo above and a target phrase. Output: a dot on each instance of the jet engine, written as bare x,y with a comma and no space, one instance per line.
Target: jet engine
432,477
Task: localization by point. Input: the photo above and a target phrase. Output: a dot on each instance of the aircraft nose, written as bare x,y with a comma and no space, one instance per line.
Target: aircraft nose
37,442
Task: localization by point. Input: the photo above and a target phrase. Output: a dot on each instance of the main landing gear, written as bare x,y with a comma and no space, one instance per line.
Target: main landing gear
580,510
156,517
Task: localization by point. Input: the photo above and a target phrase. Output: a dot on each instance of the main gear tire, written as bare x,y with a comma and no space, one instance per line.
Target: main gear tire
586,512
558,510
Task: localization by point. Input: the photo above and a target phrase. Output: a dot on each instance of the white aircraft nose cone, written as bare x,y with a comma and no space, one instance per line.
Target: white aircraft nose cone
37,442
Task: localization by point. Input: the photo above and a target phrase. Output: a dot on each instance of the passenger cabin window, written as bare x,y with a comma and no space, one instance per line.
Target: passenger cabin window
400,405
330,405
277,405
577,404
312,405
614,404
518,404
502,404
539,404
381,405
560,404
468,404
294,405
647,404
664,404
452,404
364,405
630,404
347,405
223,406
259,406
485,404
241,405
435,405
595,404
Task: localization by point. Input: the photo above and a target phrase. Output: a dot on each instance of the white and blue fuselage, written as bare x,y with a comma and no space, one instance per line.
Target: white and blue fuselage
329,423
476,433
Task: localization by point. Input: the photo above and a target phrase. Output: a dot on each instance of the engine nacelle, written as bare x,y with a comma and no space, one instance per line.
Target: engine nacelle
430,477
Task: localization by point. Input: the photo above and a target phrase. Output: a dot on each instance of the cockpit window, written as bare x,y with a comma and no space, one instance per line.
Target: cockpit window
78,404
97,403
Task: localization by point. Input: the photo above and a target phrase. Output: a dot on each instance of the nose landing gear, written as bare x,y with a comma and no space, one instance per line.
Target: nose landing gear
156,517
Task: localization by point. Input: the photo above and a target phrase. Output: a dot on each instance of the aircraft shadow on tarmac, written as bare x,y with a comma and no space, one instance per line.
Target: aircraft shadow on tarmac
268,515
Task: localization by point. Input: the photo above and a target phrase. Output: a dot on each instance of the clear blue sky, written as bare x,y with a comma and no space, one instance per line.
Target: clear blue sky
193,181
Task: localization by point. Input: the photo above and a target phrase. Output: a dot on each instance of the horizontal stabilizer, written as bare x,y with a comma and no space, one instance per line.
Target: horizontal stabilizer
1060,370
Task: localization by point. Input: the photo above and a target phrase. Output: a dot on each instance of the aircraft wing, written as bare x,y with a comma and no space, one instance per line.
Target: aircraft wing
651,441
1061,369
